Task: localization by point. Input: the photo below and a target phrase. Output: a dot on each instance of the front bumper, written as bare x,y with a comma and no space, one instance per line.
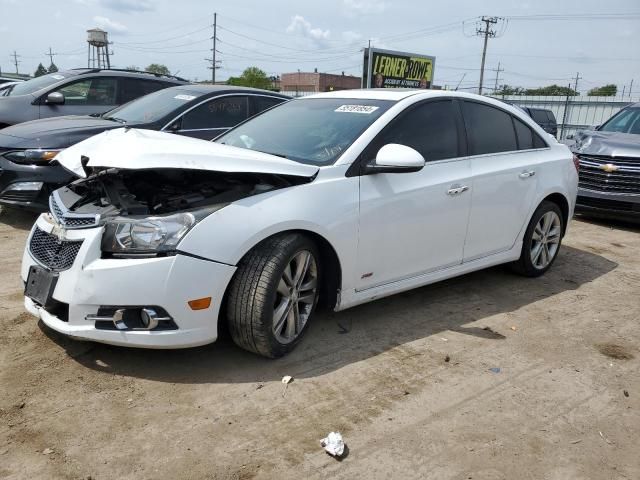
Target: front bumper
608,205
169,282
53,176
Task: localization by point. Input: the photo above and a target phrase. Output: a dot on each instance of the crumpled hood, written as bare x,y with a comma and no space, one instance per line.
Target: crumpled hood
610,144
129,148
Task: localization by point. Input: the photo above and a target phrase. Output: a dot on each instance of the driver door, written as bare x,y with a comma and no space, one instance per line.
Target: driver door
415,223
84,97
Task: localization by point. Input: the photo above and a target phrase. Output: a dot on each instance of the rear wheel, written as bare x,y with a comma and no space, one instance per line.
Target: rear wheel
274,294
541,241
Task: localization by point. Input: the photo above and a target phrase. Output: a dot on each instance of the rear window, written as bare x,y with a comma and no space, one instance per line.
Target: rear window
489,129
525,135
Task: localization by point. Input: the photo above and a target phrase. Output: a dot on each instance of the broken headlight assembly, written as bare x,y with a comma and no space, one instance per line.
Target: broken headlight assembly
125,236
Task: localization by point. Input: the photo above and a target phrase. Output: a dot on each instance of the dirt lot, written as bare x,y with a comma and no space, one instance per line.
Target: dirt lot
567,346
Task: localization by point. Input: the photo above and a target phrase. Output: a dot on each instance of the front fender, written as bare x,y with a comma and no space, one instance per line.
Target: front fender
328,207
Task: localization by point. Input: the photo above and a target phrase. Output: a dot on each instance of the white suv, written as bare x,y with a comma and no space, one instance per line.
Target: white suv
344,197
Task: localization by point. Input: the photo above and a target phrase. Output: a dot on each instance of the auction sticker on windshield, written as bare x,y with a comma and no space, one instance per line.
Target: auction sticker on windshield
366,109
184,97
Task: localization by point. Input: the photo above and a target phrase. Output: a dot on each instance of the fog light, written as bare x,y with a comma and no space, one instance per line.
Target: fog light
200,303
24,187
149,318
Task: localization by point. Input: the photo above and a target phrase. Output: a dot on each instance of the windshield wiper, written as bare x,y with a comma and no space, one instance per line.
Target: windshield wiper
116,119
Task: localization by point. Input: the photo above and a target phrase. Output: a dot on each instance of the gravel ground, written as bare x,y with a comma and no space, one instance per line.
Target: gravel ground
407,380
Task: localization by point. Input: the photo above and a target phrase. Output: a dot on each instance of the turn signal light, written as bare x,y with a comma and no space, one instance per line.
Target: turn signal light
576,162
200,303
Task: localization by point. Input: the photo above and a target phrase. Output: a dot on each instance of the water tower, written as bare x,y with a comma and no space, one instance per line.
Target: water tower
98,49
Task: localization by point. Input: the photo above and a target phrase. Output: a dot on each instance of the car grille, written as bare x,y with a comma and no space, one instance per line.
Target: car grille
623,178
70,220
53,253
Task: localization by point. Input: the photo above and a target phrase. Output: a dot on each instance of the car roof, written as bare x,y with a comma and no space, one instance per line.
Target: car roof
201,89
397,94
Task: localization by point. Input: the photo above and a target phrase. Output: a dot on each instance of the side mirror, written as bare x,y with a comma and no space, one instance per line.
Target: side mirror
395,158
54,98
174,127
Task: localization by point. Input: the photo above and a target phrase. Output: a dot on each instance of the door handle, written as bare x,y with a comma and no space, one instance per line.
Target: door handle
527,174
457,189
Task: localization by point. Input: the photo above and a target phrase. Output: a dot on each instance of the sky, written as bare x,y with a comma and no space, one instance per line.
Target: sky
537,43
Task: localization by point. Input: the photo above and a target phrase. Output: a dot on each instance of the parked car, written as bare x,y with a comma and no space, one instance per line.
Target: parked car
543,117
81,91
609,159
5,87
202,111
342,197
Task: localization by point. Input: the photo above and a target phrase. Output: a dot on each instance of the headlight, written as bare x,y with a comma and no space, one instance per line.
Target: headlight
146,235
32,156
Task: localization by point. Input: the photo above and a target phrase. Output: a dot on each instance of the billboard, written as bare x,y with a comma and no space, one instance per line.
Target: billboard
390,69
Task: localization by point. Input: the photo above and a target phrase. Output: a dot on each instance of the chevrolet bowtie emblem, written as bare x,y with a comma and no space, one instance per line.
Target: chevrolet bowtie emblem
609,167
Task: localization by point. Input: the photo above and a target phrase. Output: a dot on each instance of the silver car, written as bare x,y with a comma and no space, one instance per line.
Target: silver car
609,159
77,92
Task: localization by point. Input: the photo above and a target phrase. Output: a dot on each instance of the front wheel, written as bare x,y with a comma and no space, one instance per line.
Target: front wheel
274,294
541,241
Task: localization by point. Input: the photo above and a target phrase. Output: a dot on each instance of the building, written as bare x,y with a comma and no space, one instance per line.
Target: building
301,83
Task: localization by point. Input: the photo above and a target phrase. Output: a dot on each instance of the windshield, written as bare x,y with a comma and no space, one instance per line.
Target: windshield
35,84
152,107
313,130
625,121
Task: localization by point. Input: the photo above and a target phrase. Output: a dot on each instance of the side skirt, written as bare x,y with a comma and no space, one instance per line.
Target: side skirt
353,298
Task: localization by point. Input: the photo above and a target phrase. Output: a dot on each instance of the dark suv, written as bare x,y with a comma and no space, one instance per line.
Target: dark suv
543,117
77,92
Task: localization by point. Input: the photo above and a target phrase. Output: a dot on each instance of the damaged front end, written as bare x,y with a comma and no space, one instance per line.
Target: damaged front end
147,212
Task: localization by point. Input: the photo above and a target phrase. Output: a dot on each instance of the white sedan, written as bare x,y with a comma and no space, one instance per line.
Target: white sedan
342,198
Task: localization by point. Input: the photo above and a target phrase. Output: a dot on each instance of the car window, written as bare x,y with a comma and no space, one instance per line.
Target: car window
625,121
90,91
224,112
489,130
154,106
261,103
132,88
35,84
540,116
524,134
430,128
315,131
551,116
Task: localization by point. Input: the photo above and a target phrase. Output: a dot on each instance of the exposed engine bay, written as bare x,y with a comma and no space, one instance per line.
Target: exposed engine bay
112,192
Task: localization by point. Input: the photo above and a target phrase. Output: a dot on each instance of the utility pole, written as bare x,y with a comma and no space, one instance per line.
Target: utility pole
578,77
214,63
630,89
15,60
458,86
50,55
498,70
487,32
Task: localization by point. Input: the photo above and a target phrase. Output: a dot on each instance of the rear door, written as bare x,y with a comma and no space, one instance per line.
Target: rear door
214,117
85,96
414,223
503,165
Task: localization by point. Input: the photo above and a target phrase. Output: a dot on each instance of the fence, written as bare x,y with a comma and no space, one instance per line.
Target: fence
582,111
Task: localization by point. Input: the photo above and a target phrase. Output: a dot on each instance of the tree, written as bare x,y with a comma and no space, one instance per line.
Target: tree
52,68
158,68
133,67
509,90
251,77
40,71
551,90
609,90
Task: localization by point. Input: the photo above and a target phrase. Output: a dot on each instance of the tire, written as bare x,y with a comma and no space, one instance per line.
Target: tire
532,263
266,311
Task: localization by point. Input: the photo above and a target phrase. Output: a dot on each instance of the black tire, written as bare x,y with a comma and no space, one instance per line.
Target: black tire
524,265
253,292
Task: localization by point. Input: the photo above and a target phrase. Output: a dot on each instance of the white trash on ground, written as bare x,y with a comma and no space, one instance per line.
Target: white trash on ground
333,444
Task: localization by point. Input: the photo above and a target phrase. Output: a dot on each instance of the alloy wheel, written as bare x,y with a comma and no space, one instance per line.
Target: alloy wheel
295,297
545,240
